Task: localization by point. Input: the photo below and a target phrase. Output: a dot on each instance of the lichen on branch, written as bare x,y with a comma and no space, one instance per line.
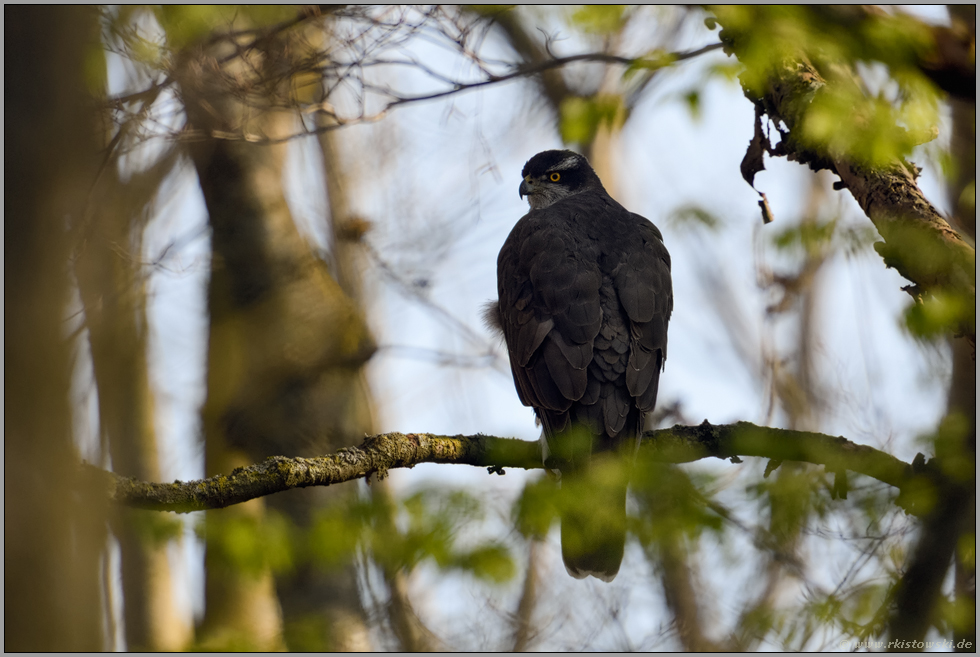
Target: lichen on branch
379,454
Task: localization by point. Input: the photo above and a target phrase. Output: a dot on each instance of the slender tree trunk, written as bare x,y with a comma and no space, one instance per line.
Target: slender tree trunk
113,292
963,386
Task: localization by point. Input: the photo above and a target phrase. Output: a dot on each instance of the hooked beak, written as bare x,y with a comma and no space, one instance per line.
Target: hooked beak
525,189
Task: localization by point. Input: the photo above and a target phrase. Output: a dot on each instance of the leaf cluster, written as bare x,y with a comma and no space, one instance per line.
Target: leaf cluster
871,121
400,534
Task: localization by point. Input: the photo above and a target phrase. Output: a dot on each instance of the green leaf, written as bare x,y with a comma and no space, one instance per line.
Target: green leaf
249,544
808,236
600,19
489,562
536,508
693,100
693,216
939,314
190,24
582,117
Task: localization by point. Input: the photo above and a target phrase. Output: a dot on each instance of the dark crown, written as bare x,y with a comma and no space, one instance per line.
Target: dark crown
543,162
576,172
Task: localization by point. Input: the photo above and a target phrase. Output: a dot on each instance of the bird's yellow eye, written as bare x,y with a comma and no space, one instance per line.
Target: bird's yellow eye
555,177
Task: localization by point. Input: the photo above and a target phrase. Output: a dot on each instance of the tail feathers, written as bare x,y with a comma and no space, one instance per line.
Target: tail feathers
593,524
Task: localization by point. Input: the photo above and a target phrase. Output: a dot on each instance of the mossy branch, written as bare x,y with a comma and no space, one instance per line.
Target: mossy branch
379,454
918,241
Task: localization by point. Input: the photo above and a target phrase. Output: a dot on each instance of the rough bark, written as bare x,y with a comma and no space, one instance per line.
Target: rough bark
918,241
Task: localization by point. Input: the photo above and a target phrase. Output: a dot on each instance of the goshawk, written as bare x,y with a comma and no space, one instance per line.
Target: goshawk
584,297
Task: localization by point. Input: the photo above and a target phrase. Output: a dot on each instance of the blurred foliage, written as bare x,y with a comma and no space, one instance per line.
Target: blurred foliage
186,25
692,217
954,449
792,495
673,500
825,236
693,101
673,504
806,236
428,526
842,113
537,507
152,528
936,315
601,19
249,544
581,117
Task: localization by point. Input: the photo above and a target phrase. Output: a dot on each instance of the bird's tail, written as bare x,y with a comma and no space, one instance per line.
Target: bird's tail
593,518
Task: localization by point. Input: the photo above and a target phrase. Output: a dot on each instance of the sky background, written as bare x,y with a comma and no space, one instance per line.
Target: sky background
438,181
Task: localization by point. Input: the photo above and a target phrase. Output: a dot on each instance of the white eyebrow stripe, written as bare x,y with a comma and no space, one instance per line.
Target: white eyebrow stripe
567,163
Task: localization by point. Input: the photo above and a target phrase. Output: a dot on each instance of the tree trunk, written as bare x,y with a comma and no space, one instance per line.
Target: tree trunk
285,350
54,528
963,387
113,292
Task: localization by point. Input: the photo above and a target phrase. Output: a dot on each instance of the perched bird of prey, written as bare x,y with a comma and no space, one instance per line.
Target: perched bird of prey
584,297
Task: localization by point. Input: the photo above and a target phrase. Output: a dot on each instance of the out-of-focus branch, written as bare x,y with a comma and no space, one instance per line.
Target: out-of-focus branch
663,499
552,83
919,589
408,628
378,454
523,616
546,67
919,243
950,62
558,62
681,595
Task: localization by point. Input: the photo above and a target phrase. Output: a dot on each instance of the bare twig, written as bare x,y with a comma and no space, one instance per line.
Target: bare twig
363,40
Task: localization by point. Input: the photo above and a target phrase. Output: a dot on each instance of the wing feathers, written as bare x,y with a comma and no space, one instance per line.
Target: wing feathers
571,381
585,297
530,337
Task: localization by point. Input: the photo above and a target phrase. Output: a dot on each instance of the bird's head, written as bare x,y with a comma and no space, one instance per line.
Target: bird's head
552,175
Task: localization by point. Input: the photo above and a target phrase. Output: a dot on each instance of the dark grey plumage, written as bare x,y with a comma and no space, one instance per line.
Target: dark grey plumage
584,300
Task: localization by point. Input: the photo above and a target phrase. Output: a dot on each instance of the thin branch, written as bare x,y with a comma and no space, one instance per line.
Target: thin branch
680,594
454,87
558,62
521,621
379,454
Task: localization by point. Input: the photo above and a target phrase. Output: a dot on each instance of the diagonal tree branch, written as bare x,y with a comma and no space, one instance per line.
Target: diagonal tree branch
918,241
379,454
